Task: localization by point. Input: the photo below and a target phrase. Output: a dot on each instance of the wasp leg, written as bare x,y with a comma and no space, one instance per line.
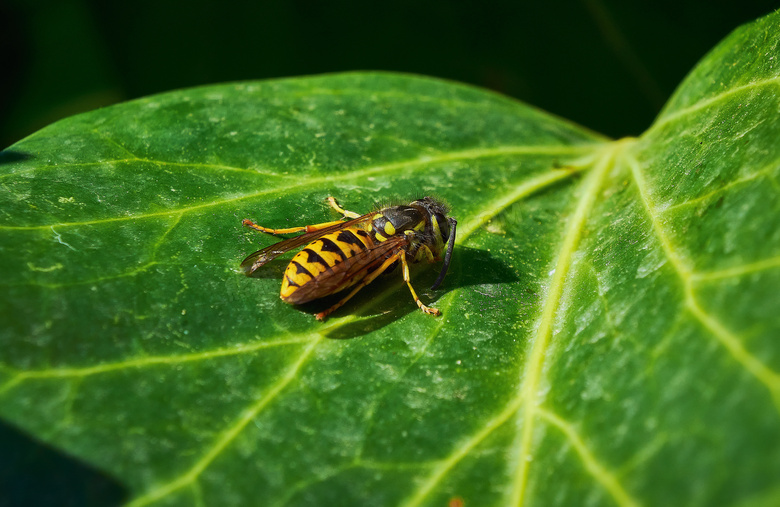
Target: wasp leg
370,278
335,205
424,250
307,228
405,271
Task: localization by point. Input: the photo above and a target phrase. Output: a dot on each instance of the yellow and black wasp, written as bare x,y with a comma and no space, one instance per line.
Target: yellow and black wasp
341,255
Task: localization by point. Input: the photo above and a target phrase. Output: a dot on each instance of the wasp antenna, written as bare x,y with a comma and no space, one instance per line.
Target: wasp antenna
448,255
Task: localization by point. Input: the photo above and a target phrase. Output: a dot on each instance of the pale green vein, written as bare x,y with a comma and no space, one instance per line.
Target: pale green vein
111,140
159,163
197,494
640,461
459,452
765,172
705,103
143,362
603,158
291,491
393,466
535,364
727,339
157,244
229,435
731,342
125,274
67,406
600,294
10,384
395,167
377,400
667,340
525,189
599,472
765,497
75,283
737,271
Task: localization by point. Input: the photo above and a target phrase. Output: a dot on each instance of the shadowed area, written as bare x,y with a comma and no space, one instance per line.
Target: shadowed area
387,300
9,156
32,473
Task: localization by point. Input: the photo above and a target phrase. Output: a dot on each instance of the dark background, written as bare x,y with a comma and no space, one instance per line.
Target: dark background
607,64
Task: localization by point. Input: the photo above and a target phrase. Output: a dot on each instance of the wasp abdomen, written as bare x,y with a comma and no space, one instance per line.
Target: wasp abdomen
321,255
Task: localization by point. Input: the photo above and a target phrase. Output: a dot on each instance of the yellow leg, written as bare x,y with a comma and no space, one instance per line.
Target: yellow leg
370,278
428,254
335,205
307,228
405,270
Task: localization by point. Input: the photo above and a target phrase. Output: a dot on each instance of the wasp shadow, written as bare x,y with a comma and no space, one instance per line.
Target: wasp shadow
478,267
10,156
34,473
385,301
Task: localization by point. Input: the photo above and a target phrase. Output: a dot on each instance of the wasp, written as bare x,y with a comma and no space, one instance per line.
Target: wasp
350,254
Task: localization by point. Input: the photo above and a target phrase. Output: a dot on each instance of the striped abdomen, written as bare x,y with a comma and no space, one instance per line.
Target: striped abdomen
321,255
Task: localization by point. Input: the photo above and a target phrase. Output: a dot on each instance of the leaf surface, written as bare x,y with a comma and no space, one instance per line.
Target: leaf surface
609,320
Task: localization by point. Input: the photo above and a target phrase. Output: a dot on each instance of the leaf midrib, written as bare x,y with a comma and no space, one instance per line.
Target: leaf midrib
532,369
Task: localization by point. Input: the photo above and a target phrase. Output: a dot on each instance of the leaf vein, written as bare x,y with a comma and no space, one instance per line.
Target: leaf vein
766,172
736,271
142,362
490,210
230,434
599,472
533,368
461,451
705,103
724,336
412,164
161,163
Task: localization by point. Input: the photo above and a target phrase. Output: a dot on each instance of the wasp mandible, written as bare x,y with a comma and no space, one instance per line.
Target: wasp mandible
341,255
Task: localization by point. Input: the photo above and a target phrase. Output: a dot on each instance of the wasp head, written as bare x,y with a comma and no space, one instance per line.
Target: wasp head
437,211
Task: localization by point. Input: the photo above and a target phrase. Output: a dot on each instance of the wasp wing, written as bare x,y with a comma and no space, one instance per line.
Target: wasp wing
349,271
257,259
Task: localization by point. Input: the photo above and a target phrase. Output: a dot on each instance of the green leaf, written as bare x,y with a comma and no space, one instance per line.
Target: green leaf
609,321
